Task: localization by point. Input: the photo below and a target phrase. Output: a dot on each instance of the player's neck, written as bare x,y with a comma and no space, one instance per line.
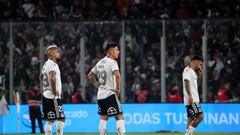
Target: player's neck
193,69
53,59
191,66
110,56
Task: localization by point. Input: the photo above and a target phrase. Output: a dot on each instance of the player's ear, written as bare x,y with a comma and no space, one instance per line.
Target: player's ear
48,52
51,51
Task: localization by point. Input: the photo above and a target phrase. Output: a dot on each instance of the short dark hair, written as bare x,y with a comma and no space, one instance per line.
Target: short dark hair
110,45
197,57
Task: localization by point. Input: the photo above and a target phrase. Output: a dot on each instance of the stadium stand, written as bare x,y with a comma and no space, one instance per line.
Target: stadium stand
183,39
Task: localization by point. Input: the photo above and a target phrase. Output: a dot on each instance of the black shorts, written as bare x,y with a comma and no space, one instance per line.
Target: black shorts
109,106
194,110
52,109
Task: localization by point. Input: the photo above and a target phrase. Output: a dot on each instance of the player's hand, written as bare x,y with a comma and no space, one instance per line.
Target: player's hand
190,100
56,93
200,71
98,84
199,75
117,92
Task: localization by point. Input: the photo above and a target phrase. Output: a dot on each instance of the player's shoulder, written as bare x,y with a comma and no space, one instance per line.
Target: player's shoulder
50,63
186,69
103,60
112,61
107,60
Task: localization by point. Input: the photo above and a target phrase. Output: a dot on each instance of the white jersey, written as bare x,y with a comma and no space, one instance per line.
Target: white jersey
190,74
49,66
104,70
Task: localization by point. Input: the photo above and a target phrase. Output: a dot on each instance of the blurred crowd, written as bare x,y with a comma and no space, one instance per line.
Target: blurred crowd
82,10
142,39
223,49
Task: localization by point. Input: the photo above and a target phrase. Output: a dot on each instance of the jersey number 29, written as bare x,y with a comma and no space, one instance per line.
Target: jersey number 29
102,77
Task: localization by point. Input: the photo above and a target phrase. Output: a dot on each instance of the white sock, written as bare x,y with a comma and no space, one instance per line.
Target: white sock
102,127
120,127
191,129
59,128
187,133
48,128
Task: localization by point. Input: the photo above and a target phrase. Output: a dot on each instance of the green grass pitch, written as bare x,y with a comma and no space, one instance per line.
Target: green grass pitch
144,134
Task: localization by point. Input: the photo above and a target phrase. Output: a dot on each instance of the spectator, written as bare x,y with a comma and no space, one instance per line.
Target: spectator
142,95
34,101
66,97
174,94
77,97
155,90
216,64
182,12
210,97
224,93
183,39
4,109
29,8
114,10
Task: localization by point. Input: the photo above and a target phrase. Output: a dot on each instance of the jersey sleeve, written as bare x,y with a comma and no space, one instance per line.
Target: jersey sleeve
94,69
43,69
114,66
186,76
52,67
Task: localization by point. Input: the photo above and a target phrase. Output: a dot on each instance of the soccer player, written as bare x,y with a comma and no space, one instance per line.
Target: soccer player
191,75
52,89
106,77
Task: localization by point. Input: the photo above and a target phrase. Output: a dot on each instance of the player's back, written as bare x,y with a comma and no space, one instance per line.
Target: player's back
49,66
104,70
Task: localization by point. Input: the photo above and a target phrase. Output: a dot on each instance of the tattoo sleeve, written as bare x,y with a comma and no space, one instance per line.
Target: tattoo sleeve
53,80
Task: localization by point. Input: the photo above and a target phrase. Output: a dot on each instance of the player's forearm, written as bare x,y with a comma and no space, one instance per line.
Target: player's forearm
187,88
53,84
94,81
188,92
40,77
118,82
199,80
